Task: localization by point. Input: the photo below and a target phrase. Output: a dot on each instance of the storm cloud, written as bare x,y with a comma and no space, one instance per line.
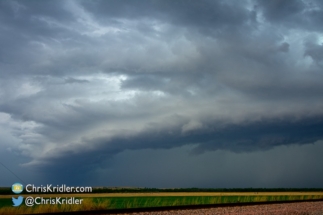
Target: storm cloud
83,82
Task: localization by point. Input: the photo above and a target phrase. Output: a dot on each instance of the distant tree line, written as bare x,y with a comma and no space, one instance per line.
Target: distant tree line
7,190
153,190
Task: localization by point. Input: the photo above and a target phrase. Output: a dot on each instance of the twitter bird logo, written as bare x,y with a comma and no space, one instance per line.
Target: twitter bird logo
17,201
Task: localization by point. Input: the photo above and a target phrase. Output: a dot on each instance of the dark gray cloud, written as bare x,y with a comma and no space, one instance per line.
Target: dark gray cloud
201,14
82,82
75,80
297,14
278,10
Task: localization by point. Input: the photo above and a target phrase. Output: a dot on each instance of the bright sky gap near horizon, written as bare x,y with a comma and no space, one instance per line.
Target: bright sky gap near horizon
162,93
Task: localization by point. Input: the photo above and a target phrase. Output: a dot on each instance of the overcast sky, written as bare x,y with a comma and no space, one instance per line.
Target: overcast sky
162,93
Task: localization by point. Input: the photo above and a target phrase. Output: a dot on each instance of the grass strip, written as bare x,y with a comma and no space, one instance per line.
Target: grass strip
106,203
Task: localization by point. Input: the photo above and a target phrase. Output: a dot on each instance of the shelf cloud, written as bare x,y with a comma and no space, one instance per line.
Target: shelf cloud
84,81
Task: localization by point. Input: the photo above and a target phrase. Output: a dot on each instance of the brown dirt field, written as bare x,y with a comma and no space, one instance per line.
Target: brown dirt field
299,208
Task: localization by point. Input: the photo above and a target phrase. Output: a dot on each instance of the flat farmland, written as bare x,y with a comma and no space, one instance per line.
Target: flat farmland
296,208
173,194
120,201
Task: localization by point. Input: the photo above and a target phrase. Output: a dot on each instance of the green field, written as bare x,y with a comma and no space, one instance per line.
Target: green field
106,203
154,201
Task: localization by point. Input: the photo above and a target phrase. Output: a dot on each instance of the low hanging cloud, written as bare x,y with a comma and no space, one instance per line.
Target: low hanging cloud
90,79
